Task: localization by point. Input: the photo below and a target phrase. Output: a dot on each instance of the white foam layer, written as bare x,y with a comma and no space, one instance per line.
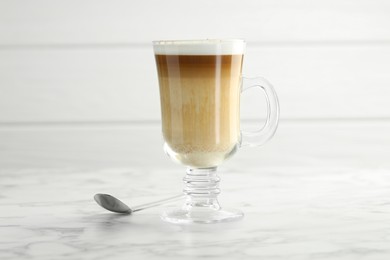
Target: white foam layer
199,47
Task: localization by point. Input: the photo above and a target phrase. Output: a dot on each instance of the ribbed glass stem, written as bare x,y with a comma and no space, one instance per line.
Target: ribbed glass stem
201,188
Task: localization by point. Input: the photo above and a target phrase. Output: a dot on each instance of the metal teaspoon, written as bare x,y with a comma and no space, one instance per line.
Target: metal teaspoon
115,205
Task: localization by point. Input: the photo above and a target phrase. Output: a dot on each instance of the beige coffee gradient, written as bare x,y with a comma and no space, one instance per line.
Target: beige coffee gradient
200,97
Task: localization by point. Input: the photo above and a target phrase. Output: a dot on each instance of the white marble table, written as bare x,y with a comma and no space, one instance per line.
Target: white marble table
317,191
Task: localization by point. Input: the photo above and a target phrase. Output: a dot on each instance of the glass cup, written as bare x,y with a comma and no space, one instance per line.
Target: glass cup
200,87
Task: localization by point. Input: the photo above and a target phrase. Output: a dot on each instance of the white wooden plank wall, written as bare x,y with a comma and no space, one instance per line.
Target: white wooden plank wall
91,60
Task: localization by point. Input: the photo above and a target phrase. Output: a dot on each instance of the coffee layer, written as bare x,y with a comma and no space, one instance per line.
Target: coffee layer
200,106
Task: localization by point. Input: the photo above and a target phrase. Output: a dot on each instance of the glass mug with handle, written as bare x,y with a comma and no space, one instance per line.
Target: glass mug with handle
200,87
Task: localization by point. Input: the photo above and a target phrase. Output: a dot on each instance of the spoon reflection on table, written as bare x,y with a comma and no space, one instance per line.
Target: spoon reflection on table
115,205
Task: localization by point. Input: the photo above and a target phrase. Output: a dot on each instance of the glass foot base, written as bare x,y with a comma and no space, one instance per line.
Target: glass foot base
205,216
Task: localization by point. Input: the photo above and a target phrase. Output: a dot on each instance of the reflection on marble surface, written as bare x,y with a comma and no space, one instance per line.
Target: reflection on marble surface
293,213
339,209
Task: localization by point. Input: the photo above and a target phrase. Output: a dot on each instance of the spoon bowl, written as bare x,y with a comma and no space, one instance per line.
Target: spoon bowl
112,204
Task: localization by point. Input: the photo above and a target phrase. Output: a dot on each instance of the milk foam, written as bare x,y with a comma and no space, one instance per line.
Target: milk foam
199,47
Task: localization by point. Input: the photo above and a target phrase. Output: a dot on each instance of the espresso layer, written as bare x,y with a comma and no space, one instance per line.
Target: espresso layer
200,106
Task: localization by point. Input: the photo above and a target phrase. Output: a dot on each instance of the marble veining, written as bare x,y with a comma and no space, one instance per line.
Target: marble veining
312,213
320,206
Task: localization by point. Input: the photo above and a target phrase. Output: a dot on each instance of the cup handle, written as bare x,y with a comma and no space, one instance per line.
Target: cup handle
261,136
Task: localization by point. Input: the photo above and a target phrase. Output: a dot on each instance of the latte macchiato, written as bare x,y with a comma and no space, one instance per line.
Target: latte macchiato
200,95
200,88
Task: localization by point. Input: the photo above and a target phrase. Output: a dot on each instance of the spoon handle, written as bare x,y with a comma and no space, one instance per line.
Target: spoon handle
157,203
